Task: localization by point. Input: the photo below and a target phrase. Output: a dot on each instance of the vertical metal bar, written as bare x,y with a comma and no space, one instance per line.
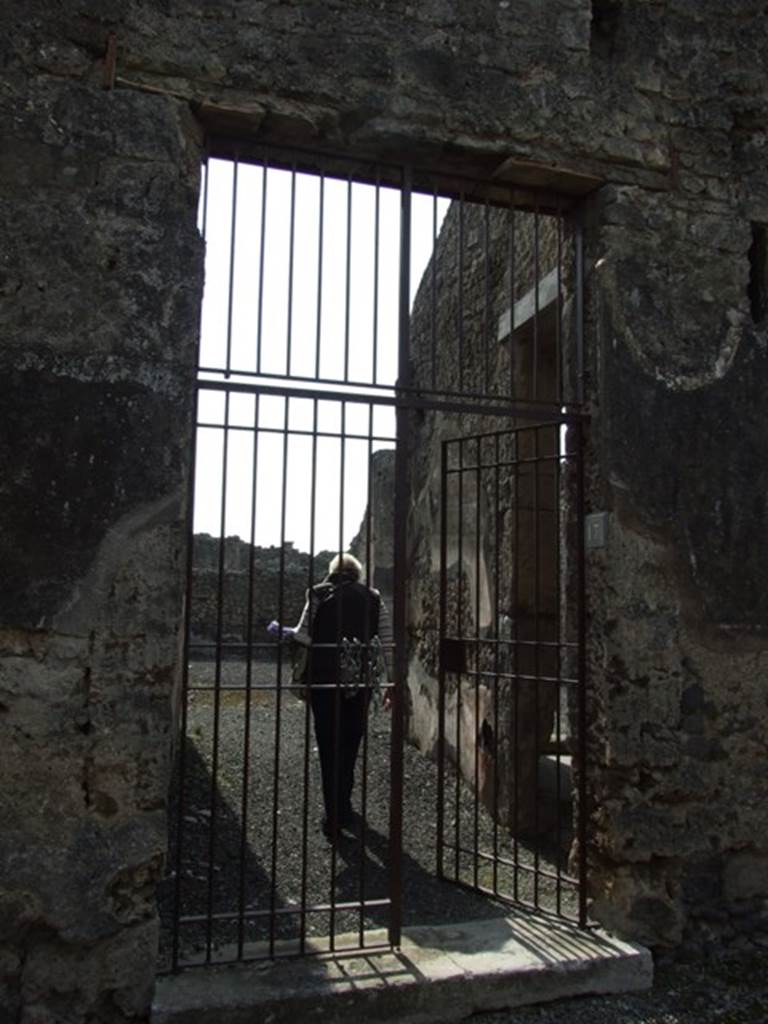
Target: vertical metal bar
460,635
230,296
559,308
581,615
497,519
433,292
477,666
581,826
376,230
400,561
516,607
291,240
443,625
182,734
279,692
486,299
512,286
248,688
461,293
204,225
262,247
320,234
559,612
308,701
579,298
369,526
109,69
348,279
217,685
184,695
536,661
536,272
337,695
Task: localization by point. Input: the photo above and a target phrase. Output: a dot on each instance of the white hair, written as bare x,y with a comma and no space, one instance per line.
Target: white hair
347,564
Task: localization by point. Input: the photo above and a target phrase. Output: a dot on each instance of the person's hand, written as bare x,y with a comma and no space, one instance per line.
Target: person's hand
283,632
389,698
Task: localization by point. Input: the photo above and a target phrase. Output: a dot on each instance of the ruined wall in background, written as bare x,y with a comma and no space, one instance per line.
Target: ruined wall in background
374,542
223,583
100,286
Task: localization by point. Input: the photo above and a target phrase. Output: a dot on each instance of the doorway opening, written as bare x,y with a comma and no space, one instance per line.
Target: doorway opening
389,367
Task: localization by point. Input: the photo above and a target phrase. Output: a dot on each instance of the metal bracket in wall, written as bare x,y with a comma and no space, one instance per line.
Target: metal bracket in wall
110,62
596,530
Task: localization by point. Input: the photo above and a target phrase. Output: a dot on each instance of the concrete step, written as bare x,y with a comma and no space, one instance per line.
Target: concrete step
440,974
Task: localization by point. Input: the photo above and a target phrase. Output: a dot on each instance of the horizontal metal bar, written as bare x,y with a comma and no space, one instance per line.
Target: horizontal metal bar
516,864
510,464
492,641
521,904
408,398
557,420
517,678
513,462
243,647
249,915
282,688
314,387
294,432
281,954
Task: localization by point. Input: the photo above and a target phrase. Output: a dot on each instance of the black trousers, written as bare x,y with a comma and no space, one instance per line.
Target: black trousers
339,728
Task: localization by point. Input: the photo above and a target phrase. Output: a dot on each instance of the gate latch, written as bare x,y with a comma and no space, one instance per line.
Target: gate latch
453,655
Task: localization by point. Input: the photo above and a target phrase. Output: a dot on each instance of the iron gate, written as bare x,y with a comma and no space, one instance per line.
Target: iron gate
320,369
511,693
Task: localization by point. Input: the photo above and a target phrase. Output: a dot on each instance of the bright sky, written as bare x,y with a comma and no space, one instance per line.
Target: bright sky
311,312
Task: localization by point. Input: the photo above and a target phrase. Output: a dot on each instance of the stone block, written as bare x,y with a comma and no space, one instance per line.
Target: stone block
111,980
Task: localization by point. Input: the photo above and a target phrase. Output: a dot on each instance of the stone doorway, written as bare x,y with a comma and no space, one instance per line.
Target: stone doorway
317,381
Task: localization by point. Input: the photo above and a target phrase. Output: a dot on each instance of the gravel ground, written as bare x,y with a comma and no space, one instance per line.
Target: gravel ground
231,865
236,867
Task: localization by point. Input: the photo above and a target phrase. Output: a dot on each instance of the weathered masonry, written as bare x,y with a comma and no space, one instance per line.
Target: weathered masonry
655,113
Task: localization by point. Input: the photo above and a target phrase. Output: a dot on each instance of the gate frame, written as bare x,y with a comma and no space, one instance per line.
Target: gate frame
570,599
407,398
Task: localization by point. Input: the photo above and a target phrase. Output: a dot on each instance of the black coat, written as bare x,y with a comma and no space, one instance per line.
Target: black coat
340,609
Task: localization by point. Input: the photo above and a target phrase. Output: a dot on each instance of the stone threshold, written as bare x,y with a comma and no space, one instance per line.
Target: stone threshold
440,974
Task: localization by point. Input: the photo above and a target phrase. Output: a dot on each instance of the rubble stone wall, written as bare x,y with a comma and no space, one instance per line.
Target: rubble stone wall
100,285
222,582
